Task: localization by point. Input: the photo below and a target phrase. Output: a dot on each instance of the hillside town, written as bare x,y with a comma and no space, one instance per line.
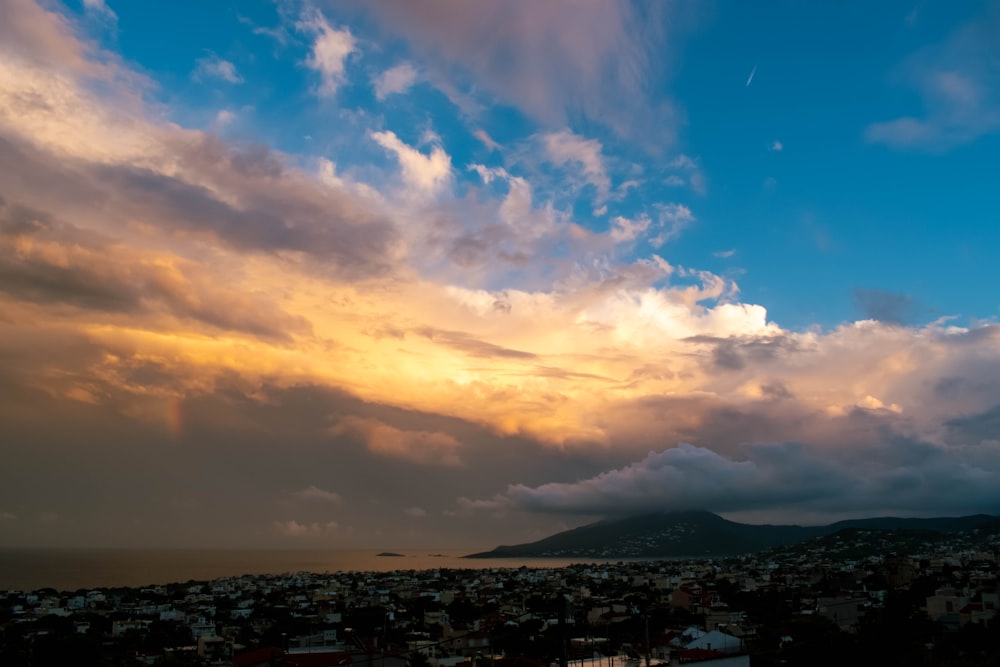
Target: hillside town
818,603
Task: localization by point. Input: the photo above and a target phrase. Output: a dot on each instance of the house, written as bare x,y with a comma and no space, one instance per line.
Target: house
946,603
715,640
215,650
693,598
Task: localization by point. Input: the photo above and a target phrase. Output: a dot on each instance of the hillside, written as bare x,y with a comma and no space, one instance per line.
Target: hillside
699,533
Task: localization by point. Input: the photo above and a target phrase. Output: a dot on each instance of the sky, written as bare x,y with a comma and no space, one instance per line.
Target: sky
439,274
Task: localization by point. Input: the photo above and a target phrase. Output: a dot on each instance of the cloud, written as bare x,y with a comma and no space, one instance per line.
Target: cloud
486,139
214,67
100,8
889,307
960,86
554,62
295,529
421,447
981,428
7,517
777,147
394,81
47,262
686,477
424,175
562,148
40,37
673,219
724,254
315,494
415,512
693,174
772,477
463,342
330,49
624,229
243,196
215,299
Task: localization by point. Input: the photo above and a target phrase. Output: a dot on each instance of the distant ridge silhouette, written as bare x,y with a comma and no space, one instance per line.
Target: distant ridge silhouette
700,533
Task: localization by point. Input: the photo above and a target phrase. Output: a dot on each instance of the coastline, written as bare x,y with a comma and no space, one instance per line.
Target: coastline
74,569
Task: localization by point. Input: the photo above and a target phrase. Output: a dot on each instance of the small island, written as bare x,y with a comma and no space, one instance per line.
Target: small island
389,554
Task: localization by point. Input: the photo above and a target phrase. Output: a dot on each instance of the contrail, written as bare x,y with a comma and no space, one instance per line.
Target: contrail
750,78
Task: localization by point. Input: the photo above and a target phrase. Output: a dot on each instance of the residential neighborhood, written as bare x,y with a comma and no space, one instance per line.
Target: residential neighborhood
815,603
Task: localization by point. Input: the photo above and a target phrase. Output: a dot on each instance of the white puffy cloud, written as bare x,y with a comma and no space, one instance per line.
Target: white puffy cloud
624,229
330,50
395,80
424,175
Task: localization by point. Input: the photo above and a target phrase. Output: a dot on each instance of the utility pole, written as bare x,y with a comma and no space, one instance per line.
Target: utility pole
646,616
563,658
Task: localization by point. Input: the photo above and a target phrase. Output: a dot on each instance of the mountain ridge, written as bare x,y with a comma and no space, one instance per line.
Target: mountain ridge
695,533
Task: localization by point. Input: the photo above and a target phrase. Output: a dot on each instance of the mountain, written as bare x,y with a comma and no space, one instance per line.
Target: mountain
699,533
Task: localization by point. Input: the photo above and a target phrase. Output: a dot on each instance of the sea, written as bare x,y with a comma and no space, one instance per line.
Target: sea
76,569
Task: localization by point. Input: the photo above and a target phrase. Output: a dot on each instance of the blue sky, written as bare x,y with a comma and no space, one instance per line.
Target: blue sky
831,212
715,251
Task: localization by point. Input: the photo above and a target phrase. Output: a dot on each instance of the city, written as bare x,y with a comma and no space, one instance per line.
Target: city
499,333
820,602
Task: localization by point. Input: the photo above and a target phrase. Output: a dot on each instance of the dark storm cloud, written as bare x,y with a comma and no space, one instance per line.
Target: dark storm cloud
50,262
854,463
688,477
272,218
263,207
222,474
784,477
978,427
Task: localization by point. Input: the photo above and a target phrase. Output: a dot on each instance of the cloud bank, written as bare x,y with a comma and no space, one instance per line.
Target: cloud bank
164,286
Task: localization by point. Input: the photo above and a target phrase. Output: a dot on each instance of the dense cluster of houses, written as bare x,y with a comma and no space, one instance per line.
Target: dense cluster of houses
625,614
